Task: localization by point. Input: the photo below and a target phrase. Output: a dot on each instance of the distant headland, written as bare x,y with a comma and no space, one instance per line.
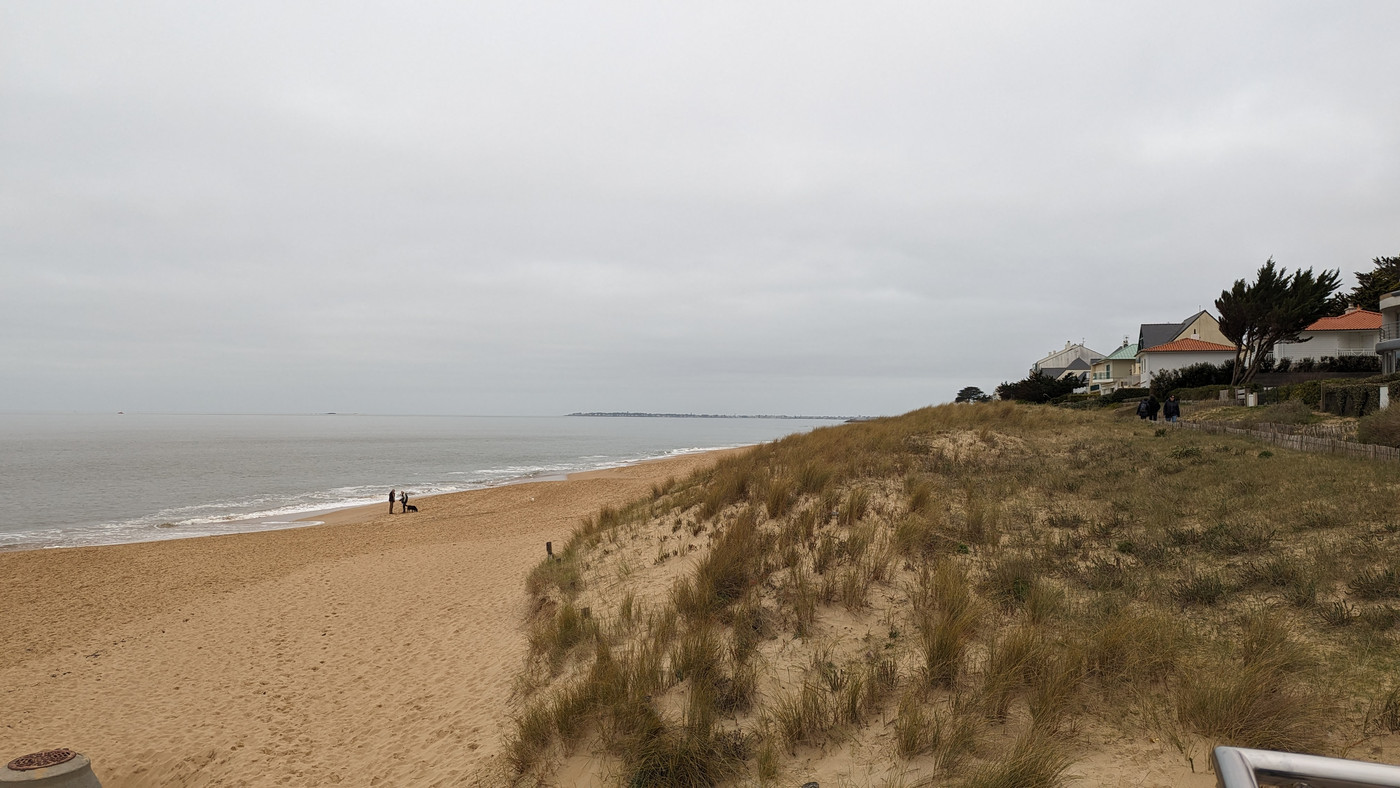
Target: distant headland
635,415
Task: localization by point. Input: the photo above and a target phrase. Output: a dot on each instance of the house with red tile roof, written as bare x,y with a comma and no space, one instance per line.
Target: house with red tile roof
1180,353
1163,340
1352,334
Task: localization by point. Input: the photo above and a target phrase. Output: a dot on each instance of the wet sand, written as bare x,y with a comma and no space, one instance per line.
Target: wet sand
373,650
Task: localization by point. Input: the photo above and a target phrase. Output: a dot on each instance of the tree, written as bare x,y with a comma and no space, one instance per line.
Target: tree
1038,387
1274,308
1190,377
971,394
1371,285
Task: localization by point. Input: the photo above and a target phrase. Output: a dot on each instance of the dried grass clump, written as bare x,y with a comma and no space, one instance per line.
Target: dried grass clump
728,571
1037,761
1134,646
946,618
556,636
1268,698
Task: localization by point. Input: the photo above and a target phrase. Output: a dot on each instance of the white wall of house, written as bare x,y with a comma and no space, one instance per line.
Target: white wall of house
1388,346
1329,343
1153,363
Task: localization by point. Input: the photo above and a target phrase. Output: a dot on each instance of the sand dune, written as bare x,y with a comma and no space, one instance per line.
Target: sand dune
373,650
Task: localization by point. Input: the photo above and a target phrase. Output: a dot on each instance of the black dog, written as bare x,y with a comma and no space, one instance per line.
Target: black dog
411,508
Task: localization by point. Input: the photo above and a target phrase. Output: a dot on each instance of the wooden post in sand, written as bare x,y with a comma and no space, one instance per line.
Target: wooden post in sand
549,549
50,769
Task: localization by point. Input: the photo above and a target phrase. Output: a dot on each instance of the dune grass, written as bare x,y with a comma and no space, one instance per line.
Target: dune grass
962,589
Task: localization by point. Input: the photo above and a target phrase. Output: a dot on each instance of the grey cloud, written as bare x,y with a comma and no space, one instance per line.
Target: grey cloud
720,207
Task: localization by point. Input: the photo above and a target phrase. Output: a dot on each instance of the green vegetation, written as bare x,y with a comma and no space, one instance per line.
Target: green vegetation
1381,427
972,394
963,591
1037,388
1257,315
1384,277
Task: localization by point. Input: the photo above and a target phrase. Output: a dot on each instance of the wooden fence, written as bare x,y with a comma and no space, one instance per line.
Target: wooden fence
1287,436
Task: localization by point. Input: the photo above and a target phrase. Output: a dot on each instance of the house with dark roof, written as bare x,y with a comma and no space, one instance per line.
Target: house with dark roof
1355,333
1201,327
1071,360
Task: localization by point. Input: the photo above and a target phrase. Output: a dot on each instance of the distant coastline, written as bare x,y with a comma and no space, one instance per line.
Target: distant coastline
635,415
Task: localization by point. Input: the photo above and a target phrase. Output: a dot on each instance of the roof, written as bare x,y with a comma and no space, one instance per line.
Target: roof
1127,351
1153,334
1190,346
1357,320
1150,334
1078,363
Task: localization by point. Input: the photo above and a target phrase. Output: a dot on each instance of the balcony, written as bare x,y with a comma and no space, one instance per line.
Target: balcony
1390,331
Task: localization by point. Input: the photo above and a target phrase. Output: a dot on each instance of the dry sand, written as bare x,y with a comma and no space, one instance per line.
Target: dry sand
374,650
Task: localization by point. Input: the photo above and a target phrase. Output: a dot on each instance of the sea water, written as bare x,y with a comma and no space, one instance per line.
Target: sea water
68,480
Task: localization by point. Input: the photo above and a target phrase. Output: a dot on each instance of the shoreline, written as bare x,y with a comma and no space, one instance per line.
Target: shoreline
370,648
337,515
357,514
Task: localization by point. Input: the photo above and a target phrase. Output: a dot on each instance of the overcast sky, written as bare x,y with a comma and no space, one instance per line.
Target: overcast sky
530,208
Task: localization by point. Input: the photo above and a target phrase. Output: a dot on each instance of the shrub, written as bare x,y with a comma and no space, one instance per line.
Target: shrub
1210,392
1381,427
1193,376
1123,395
1037,388
1308,392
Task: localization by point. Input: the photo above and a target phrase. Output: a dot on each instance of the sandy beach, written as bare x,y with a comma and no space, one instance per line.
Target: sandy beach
373,650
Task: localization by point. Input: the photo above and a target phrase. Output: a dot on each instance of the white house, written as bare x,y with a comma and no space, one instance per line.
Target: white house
1071,360
1355,333
1388,344
1180,353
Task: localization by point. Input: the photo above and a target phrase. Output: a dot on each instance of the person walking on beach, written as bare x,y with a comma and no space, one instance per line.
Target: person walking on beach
391,502
403,501
1144,410
1155,407
1172,409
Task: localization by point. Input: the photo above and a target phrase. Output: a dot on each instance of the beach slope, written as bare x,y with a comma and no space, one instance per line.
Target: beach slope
374,650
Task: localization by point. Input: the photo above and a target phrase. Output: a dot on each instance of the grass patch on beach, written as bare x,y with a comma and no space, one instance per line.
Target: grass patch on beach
960,591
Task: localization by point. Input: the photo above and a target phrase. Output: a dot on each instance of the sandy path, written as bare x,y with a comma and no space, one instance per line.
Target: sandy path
377,652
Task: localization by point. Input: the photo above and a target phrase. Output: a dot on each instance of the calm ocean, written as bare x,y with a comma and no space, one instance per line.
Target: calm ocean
70,480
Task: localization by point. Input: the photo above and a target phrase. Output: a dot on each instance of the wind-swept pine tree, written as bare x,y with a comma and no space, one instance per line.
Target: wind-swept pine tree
1371,285
1274,308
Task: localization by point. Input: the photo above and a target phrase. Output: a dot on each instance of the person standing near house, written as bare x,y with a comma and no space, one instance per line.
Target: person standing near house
1171,409
391,502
